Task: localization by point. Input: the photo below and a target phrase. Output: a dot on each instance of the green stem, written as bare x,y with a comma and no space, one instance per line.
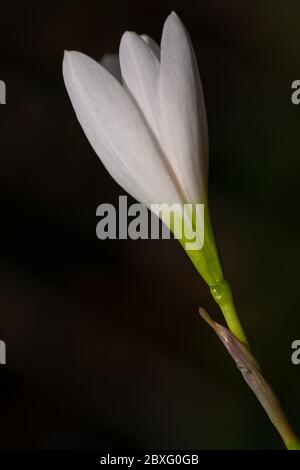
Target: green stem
207,263
294,444
222,294
253,376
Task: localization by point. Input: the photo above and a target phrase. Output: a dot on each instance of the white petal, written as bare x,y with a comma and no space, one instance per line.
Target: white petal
140,73
116,130
183,116
153,44
112,64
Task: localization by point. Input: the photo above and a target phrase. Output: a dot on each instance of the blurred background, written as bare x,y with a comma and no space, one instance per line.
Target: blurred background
105,348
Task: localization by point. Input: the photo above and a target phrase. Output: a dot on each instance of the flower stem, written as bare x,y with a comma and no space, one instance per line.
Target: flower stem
250,370
208,264
293,444
223,296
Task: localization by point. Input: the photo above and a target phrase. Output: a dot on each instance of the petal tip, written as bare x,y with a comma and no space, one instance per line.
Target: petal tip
173,15
65,62
173,21
127,37
68,55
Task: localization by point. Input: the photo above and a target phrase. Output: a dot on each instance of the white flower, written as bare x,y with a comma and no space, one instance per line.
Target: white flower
145,115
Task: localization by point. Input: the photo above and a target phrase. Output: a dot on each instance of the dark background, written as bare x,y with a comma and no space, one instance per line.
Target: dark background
104,345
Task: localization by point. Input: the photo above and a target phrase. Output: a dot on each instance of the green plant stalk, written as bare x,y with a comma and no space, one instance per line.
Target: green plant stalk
207,263
253,376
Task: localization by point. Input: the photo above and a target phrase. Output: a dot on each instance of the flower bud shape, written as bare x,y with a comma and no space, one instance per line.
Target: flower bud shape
144,115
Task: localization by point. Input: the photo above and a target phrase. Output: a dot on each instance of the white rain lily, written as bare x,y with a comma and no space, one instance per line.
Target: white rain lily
150,133
144,115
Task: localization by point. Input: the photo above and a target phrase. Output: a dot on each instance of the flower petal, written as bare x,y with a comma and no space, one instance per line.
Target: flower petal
117,131
153,44
183,116
112,64
140,72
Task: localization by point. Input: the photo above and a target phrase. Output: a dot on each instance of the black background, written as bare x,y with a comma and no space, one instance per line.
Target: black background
104,345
